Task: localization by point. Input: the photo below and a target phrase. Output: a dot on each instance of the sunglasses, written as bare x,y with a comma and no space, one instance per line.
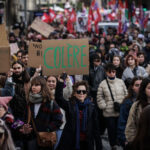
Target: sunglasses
97,60
112,71
81,91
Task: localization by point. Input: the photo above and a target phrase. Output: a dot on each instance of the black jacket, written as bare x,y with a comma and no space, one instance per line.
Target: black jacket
68,138
119,72
96,77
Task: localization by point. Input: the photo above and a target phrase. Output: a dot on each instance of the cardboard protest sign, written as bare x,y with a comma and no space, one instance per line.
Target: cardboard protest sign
70,56
42,27
3,36
13,48
35,54
4,59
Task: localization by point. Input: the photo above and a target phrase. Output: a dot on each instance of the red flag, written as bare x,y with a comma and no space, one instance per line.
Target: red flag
90,18
96,28
70,27
120,27
93,3
111,16
62,19
96,16
97,19
72,17
121,4
45,18
71,21
146,20
52,15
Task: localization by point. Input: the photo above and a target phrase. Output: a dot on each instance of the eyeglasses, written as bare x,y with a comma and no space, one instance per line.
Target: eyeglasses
81,91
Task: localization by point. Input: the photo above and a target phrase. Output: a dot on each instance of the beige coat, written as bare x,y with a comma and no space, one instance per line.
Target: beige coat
132,122
104,99
148,69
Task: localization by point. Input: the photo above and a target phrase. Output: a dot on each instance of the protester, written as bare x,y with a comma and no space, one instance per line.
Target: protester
44,115
18,104
142,61
141,140
111,90
80,127
124,42
19,55
96,76
22,80
24,60
133,91
136,110
67,91
117,63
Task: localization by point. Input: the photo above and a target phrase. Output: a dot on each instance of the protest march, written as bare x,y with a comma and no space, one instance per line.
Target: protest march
76,78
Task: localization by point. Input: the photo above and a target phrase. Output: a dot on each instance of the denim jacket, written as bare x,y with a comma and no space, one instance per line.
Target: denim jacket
9,89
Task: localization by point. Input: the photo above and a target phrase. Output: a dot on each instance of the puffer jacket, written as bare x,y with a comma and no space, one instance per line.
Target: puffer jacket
104,99
140,71
132,122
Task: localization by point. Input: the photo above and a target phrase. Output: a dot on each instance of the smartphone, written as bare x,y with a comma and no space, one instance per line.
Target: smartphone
17,124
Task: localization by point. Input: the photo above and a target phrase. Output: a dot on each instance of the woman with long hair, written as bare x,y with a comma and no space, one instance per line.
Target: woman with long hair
141,140
133,91
81,118
45,113
67,90
143,100
117,63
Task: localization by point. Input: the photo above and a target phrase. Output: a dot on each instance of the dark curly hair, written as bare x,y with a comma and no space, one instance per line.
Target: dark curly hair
77,84
142,97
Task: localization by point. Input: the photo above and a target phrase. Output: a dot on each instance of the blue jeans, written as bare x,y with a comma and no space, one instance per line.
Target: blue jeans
58,133
112,123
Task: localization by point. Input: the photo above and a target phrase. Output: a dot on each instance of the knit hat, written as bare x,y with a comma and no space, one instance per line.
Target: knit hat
4,101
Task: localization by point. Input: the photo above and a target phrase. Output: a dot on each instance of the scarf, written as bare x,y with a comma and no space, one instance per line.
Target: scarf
35,98
81,106
111,78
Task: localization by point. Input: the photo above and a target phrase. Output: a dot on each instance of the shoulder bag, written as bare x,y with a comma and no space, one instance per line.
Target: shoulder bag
44,139
116,104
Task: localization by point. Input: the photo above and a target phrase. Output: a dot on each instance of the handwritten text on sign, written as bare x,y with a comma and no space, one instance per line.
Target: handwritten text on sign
59,54
71,56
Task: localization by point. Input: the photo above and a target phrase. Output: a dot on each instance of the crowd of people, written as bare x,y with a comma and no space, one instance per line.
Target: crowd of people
113,98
